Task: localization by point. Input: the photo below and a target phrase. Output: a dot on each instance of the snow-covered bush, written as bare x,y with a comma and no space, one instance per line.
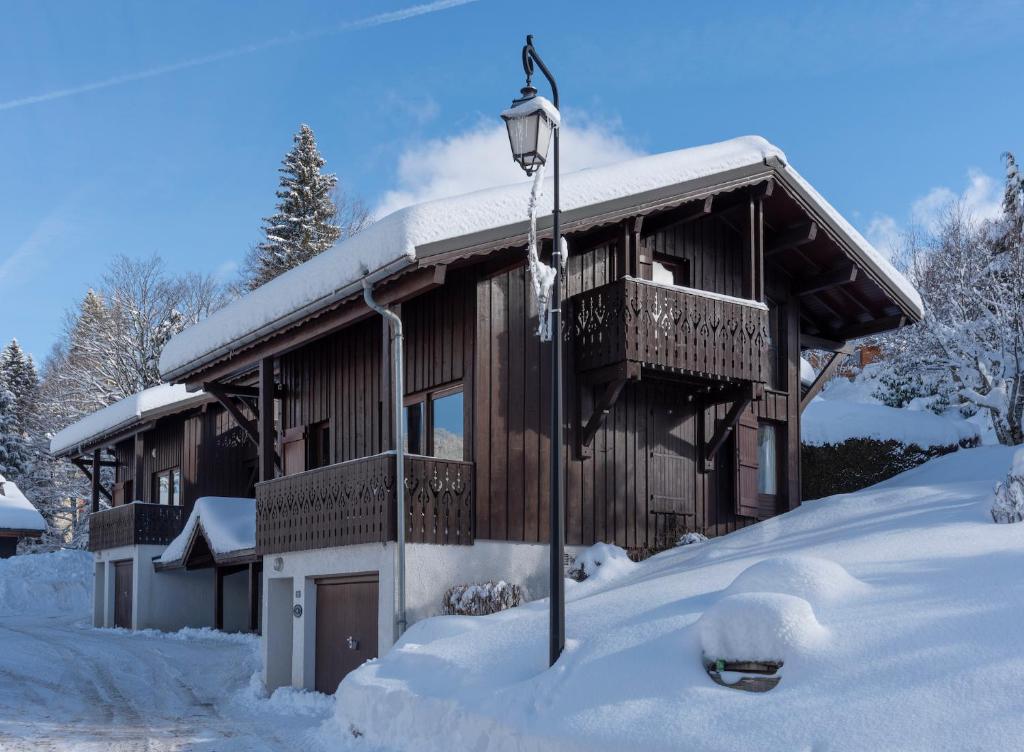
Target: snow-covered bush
688,539
480,599
1009,502
604,558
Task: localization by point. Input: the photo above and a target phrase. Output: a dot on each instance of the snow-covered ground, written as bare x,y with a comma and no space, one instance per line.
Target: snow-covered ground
67,686
896,611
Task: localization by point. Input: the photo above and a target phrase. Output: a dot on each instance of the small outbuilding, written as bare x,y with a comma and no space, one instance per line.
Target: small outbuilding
18,518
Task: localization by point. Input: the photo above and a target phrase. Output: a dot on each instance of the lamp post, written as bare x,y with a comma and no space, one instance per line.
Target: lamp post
532,124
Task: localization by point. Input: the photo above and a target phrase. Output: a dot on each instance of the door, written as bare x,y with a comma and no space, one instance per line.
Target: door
346,627
673,456
294,450
123,594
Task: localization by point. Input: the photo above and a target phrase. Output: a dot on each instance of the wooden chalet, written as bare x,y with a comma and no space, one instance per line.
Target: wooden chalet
694,281
150,457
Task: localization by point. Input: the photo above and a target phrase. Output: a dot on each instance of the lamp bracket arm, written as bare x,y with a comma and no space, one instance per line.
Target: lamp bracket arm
529,57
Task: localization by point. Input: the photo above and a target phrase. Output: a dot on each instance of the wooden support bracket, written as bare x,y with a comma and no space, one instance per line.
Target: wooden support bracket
602,407
226,395
824,376
723,430
87,471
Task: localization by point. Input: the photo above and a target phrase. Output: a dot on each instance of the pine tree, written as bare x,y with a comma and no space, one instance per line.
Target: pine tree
18,372
13,449
307,219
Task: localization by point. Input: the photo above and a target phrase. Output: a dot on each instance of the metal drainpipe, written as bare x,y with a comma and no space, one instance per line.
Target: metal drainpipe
399,434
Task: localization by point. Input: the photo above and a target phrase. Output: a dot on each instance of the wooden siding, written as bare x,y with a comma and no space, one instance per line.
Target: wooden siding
218,459
712,249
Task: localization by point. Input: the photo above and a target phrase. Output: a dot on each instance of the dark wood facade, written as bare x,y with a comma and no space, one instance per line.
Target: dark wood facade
683,328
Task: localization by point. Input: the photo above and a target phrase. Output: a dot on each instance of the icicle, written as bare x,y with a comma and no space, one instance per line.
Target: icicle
542,275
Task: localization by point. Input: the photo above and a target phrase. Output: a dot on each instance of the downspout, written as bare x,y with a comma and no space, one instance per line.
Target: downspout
399,434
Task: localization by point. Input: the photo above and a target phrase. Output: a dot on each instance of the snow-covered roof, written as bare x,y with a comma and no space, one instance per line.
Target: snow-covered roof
807,373
392,243
121,415
228,525
16,511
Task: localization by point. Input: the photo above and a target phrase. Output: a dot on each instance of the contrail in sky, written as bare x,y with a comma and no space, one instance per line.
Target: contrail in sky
363,23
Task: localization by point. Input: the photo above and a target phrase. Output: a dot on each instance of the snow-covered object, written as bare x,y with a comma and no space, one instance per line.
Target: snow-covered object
391,243
16,511
832,421
807,374
691,538
922,659
121,414
479,599
542,276
601,562
1008,505
812,578
531,105
759,627
50,584
228,524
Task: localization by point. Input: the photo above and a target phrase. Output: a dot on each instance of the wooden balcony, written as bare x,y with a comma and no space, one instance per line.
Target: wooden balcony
135,524
354,502
677,330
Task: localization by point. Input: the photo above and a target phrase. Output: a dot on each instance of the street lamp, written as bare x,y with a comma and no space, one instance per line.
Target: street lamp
533,123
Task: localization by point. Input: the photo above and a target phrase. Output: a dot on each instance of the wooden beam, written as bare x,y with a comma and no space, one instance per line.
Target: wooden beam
601,409
749,259
810,342
824,376
254,596
840,275
794,237
87,472
95,480
218,598
224,398
723,430
138,487
877,326
265,419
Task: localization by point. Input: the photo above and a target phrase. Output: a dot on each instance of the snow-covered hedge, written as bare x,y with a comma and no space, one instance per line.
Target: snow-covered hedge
480,599
1009,502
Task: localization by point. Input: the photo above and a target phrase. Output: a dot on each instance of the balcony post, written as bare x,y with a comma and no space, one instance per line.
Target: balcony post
266,419
96,480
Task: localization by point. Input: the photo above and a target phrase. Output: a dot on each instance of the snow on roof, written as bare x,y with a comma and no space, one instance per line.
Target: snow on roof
831,421
391,243
228,524
16,511
807,373
121,414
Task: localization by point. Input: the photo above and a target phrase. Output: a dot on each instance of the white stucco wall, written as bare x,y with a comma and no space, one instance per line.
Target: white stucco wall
430,571
167,600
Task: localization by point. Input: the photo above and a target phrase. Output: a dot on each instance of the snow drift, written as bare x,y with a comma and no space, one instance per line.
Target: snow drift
51,584
894,609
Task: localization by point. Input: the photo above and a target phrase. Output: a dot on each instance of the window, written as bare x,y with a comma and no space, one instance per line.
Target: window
669,270
776,350
434,424
167,487
767,459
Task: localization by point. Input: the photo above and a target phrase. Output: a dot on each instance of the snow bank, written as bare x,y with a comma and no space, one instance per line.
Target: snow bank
228,524
120,414
894,609
833,421
392,242
759,627
51,584
16,511
600,563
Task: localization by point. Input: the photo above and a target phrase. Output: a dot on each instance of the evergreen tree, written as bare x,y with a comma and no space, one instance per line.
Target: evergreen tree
307,219
18,372
13,450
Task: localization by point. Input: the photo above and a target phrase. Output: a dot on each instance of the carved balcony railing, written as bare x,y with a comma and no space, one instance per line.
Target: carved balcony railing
354,502
135,524
674,329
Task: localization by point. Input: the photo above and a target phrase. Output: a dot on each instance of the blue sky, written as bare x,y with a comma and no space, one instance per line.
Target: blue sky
144,128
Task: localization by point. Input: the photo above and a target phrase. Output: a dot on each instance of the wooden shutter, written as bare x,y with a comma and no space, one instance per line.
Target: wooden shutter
747,503
118,496
294,450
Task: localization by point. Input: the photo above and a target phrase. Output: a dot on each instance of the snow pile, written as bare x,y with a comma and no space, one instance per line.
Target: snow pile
833,421
120,414
228,524
58,583
16,511
1009,497
601,562
894,609
481,599
759,627
688,539
391,243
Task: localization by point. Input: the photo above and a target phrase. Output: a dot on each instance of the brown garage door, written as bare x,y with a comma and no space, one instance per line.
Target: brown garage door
123,594
346,627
